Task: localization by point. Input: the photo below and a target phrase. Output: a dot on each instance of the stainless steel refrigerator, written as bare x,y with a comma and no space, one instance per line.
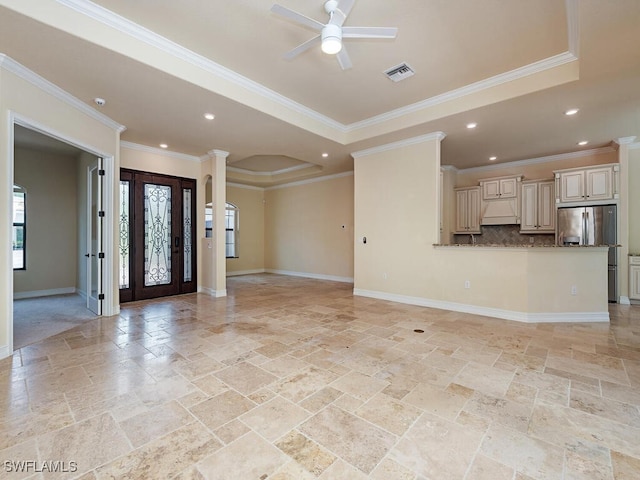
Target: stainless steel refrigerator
591,226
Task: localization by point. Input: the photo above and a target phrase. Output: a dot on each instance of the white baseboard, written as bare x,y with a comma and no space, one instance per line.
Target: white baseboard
5,351
624,300
212,292
245,272
43,293
317,276
552,317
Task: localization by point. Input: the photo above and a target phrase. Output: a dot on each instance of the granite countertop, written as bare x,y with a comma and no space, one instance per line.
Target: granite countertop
500,245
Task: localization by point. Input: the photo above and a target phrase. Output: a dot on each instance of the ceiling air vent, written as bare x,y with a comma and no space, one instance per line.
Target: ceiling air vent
399,72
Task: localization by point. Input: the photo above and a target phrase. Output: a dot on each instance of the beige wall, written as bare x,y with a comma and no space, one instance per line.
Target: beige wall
37,106
309,228
250,202
396,202
52,244
634,200
396,209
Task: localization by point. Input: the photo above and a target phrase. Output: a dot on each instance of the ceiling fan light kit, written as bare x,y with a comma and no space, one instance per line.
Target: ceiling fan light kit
330,35
331,39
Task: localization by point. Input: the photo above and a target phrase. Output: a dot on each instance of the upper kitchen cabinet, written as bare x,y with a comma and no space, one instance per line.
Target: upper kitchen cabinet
504,187
538,207
591,184
467,210
500,200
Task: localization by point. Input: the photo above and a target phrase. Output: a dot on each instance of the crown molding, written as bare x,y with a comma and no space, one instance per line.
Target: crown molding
311,180
527,70
159,151
134,30
402,143
533,161
275,172
218,153
246,187
23,72
573,27
625,140
634,146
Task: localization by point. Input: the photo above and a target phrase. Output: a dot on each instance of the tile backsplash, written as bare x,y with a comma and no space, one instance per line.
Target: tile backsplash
505,235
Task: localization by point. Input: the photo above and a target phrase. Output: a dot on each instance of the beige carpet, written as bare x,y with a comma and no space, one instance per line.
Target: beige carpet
35,319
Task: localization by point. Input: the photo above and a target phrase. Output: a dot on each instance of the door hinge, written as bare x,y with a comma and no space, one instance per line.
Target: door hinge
101,213
101,255
101,172
101,296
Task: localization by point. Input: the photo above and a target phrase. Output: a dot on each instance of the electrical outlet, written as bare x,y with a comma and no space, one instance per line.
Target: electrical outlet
384,275
467,284
531,240
574,290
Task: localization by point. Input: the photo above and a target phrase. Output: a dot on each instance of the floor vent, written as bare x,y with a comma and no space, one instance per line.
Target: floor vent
399,72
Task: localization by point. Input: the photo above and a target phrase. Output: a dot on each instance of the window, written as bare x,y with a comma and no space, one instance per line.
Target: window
18,233
208,221
231,225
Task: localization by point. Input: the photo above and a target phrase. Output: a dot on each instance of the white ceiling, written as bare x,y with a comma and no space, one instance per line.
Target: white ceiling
512,66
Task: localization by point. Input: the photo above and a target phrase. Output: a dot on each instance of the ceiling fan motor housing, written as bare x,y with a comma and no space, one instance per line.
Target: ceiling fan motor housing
330,6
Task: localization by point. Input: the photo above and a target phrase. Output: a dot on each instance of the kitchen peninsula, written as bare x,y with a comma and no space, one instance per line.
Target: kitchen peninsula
528,283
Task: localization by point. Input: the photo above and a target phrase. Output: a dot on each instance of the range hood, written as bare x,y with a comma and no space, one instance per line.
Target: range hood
500,212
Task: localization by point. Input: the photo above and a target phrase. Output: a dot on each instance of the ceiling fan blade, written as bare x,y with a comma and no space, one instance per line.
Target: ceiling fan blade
297,17
369,32
303,47
342,12
343,59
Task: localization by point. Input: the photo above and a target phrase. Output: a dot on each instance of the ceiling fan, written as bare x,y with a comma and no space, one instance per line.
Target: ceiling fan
332,33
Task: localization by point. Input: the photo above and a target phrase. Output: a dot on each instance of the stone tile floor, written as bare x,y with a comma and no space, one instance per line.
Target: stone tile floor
291,378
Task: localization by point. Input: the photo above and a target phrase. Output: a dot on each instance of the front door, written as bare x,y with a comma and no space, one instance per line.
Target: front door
157,228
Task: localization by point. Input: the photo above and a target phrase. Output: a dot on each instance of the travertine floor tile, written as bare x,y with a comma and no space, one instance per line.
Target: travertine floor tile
296,379
247,457
358,442
274,418
430,445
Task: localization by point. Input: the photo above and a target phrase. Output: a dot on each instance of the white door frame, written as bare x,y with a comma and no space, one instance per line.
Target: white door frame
110,304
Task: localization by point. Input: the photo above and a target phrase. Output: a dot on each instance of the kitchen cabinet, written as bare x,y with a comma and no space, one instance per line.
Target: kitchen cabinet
538,207
505,187
590,184
634,277
500,203
467,210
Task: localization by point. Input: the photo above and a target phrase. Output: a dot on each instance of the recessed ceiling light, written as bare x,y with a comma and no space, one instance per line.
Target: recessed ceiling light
325,155
572,111
472,125
492,158
164,145
99,101
209,116
582,143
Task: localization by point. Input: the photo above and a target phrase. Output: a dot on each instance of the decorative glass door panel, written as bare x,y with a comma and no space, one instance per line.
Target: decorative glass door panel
157,235
157,227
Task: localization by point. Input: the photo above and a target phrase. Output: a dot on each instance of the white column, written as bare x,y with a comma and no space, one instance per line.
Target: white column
623,219
219,198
